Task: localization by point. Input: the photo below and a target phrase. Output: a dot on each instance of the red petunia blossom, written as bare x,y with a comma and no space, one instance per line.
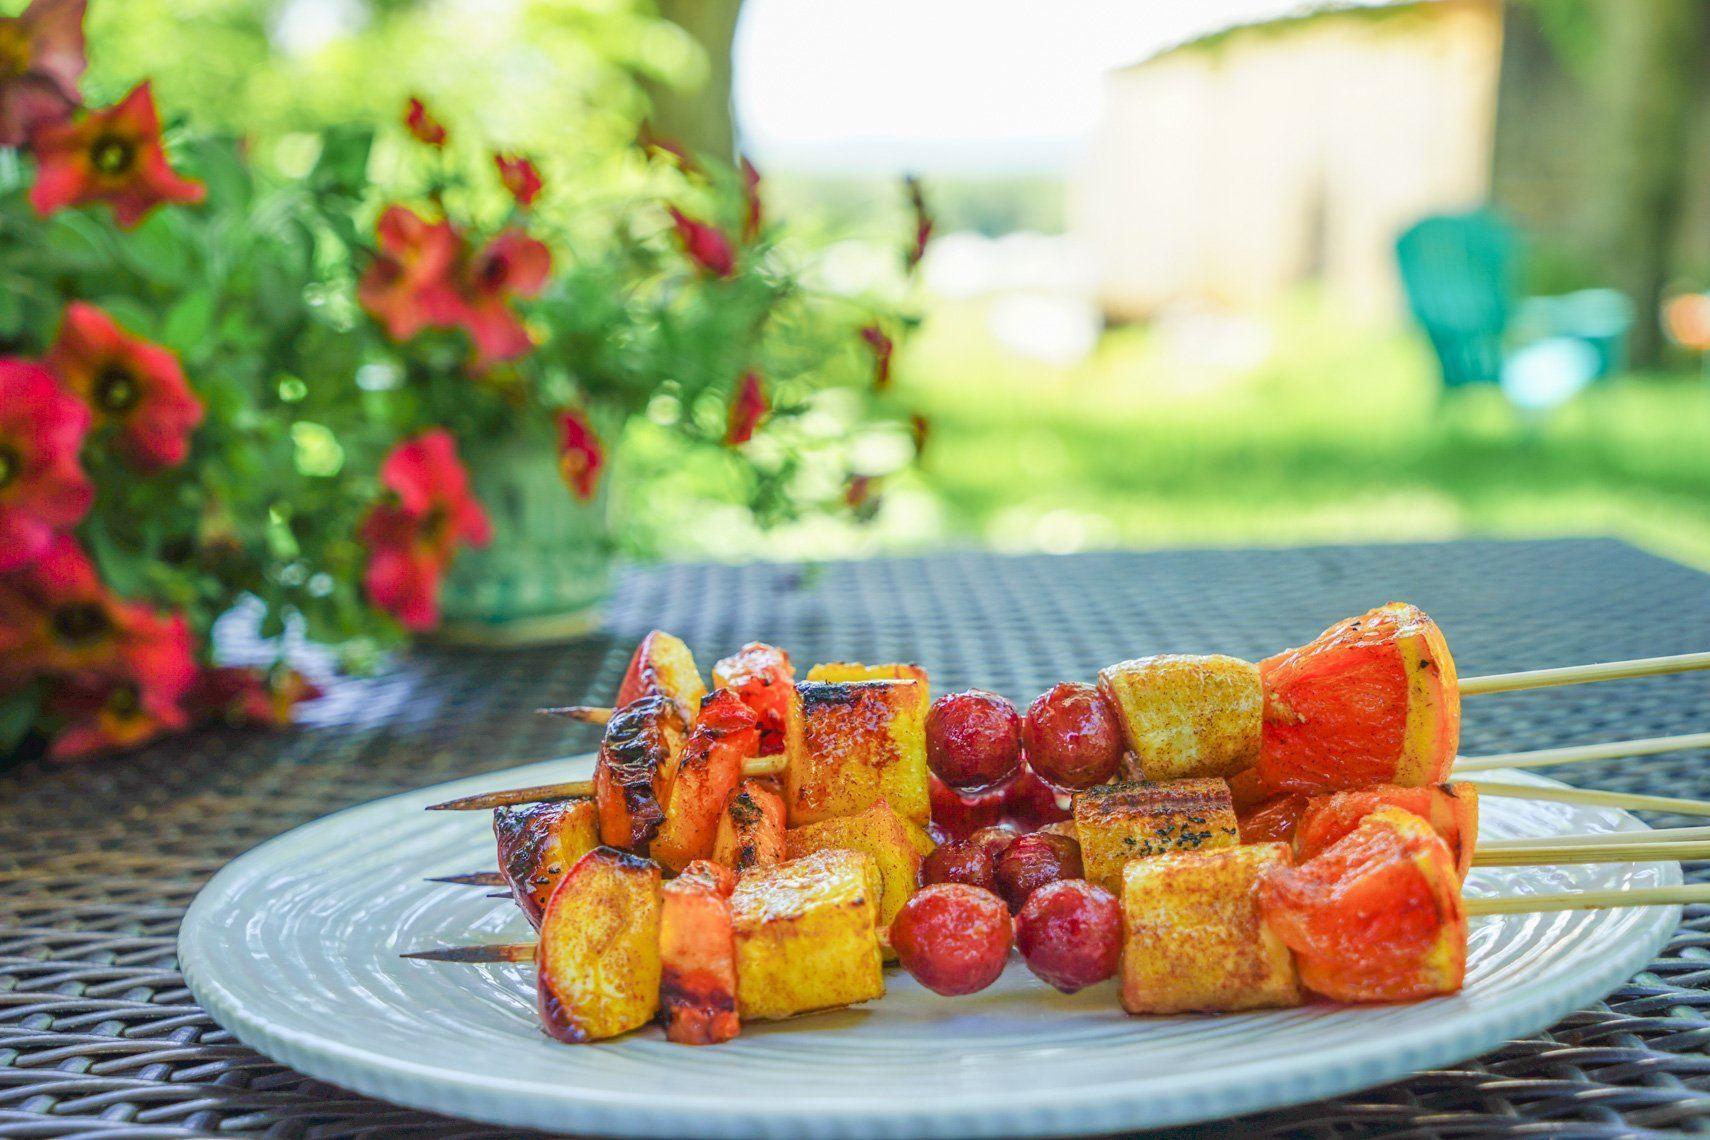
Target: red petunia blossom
881,346
753,213
422,124
922,222
414,534
133,384
412,284
520,176
131,700
58,618
581,457
511,265
112,155
919,431
41,58
707,246
245,696
43,490
747,408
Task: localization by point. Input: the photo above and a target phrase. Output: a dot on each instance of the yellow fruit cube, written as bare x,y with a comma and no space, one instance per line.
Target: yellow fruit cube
857,742
1119,822
1186,716
807,935
879,832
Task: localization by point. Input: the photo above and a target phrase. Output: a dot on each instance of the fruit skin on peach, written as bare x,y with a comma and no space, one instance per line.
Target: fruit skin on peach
662,666
1374,699
598,962
539,843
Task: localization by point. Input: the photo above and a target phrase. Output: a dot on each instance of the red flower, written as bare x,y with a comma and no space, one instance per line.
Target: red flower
706,245
747,409
881,346
922,221
511,265
42,488
859,496
919,431
520,176
582,458
242,695
422,124
41,57
112,155
108,714
133,384
410,286
753,214
414,534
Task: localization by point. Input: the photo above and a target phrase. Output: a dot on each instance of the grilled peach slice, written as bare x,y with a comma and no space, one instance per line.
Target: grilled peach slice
1374,700
1376,917
896,845
807,935
1119,822
539,843
697,952
599,948
763,677
1450,809
709,770
635,769
662,666
751,830
1193,940
860,742
1185,716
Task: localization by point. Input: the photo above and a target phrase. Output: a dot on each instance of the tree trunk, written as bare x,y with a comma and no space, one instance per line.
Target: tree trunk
1647,86
700,118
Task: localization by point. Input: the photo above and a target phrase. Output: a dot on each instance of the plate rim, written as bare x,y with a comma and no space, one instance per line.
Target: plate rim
1266,1084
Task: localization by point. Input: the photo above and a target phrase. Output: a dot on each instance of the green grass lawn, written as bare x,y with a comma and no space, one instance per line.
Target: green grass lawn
1335,436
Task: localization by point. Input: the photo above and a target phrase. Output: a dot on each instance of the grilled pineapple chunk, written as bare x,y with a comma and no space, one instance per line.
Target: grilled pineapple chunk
539,843
856,671
1119,822
1193,940
857,742
807,935
892,841
1186,716
599,959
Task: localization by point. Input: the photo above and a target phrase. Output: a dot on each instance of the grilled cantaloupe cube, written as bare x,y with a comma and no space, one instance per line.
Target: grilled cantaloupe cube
859,742
1186,716
539,843
1119,822
663,666
1193,940
892,841
697,951
751,830
599,960
807,935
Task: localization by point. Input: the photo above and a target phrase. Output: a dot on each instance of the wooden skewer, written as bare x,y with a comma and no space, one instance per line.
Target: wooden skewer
1549,853
472,879
496,952
587,714
1606,750
1584,674
1600,838
1594,797
580,789
1590,900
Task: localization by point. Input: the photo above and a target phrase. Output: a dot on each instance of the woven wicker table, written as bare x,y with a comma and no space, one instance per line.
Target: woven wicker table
98,1036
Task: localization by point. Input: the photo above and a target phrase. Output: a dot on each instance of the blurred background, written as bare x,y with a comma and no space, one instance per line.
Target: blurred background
1168,300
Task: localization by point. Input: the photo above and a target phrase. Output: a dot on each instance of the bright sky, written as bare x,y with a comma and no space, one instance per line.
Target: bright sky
975,85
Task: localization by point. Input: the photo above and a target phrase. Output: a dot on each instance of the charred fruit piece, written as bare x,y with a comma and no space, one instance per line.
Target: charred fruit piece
709,771
599,948
1120,822
973,740
662,666
807,935
896,846
955,816
1374,700
1273,821
953,939
637,763
1072,736
751,829
856,671
1450,809
1377,917
861,741
1070,934
1194,940
1185,716
697,952
539,843
763,677
1033,861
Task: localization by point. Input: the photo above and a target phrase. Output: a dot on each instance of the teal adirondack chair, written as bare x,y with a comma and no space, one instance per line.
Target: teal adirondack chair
1458,271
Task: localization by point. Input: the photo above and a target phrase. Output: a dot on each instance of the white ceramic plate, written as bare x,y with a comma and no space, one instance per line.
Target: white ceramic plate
294,948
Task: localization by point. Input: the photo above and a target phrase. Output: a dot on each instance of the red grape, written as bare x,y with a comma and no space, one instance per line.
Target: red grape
1072,737
952,938
973,740
993,840
1032,802
962,861
956,816
1070,934
1034,860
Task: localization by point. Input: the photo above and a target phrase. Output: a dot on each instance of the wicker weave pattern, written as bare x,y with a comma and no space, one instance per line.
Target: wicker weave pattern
99,1038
